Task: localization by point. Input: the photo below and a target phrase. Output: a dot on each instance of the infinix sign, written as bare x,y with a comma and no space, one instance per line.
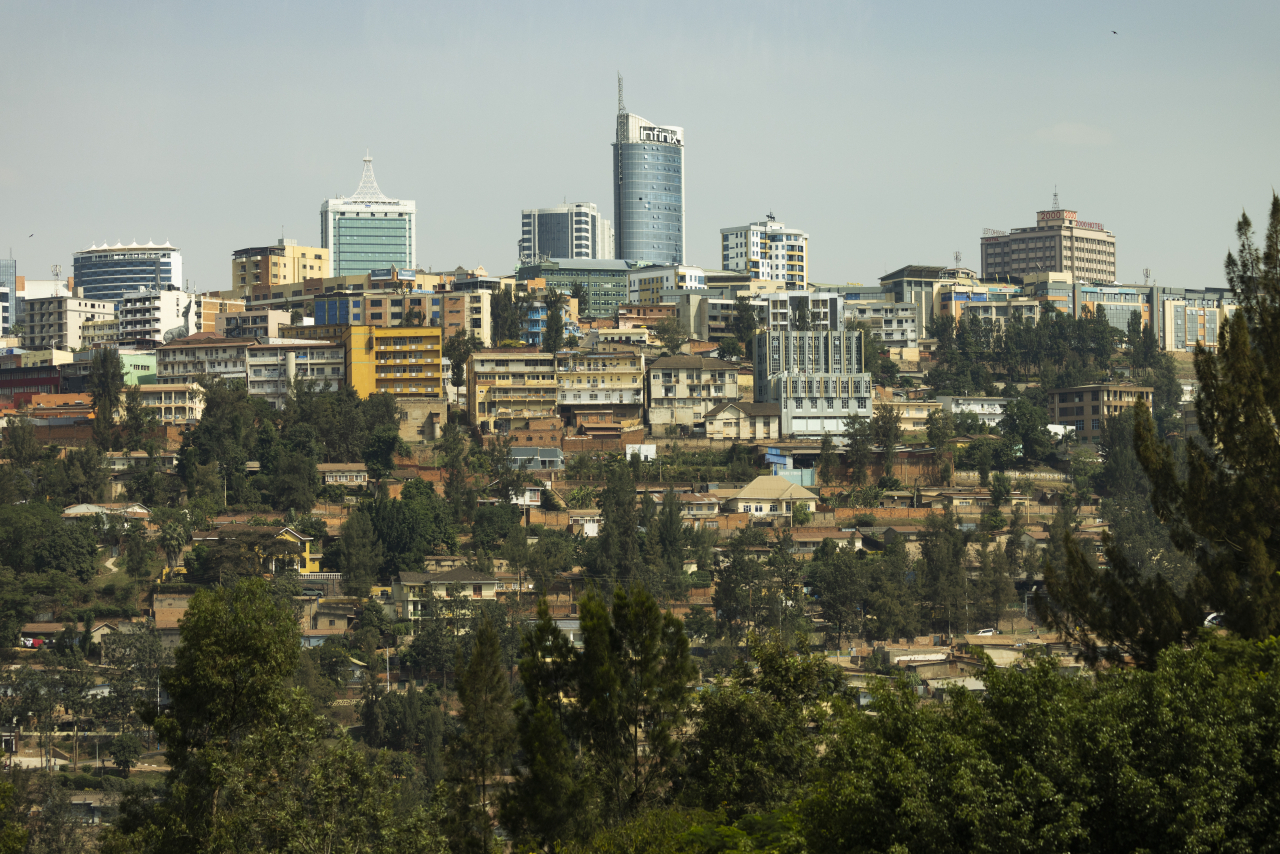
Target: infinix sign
656,134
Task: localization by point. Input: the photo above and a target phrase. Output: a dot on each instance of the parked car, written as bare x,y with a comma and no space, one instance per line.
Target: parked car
986,632
1214,619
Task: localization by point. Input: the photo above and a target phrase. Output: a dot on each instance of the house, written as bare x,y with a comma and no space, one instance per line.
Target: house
697,505
537,459
751,422
343,474
412,590
122,511
322,618
771,495
277,560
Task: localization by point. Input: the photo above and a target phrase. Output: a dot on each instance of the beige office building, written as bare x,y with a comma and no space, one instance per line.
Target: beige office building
1057,243
283,264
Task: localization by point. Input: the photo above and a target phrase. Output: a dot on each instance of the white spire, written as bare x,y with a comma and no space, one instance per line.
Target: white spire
368,190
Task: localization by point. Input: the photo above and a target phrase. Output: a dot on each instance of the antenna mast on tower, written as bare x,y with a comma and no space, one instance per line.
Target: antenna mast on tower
956,255
621,109
1055,198
1146,275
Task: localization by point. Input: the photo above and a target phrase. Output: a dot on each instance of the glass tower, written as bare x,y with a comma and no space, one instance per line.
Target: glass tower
108,272
368,231
648,190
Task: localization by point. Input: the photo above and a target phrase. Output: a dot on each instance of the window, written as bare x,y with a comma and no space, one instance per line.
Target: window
1097,425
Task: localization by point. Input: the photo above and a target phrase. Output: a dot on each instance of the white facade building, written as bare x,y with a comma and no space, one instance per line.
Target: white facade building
368,231
54,323
276,363
657,284
767,250
109,272
990,410
898,324
186,360
825,311
816,377
157,316
564,231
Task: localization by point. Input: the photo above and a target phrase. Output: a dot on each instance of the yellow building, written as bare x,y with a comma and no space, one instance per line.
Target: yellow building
401,360
508,386
302,554
602,383
282,264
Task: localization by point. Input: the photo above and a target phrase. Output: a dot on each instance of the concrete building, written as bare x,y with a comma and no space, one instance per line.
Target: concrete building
56,322
285,263
648,190
741,421
816,377
150,318
139,369
174,402
564,231
683,389
655,284
367,230
767,250
988,409
257,323
710,318
506,387
109,272
914,283
1058,242
897,324
404,361
274,365
537,314
184,361
468,313
604,282
1083,408
1196,318
593,383
816,311
8,292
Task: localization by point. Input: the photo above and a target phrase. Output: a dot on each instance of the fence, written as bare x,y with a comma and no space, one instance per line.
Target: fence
1014,475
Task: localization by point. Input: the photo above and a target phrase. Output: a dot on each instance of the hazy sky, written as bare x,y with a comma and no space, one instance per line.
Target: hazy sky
892,132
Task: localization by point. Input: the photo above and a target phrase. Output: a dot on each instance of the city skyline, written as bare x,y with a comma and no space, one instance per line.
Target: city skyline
873,190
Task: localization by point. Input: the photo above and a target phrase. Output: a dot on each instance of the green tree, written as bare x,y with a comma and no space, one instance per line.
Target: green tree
480,752
553,334
671,334
739,583
745,322
105,384
1215,502
173,537
358,554
458,349
633,697
942,547
857,447
886,431
125,751
383,445
828,462
139,551
140,421
730,348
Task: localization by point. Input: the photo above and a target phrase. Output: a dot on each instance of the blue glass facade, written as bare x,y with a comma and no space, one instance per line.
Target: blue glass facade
648,192
340,310
107,274
365,242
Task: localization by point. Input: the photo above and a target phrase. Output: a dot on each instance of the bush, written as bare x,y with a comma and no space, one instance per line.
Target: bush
865,520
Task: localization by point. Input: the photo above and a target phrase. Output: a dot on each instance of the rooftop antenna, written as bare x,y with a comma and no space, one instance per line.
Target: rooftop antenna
56,269
956,255
621,109
1146,275
1055,198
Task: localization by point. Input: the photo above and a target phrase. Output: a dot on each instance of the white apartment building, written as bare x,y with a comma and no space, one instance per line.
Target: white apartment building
54,323
683,389
990,410
656,284
174,402
154,316
767,250
896,323
187,360
275,363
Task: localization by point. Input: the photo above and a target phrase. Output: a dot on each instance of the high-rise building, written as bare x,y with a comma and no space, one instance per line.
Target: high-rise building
107,272
565,231
368,231
1057,243
8,291
767,250
282,264
648,190
603,283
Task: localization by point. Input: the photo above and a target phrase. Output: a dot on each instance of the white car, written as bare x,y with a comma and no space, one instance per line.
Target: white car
986,632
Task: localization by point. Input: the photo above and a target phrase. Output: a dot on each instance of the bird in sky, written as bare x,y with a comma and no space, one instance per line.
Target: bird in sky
1114,33
31,235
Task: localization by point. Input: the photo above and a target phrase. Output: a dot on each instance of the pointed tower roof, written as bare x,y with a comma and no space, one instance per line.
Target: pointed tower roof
368,190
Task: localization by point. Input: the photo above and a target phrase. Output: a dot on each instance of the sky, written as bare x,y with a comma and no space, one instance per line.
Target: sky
892,133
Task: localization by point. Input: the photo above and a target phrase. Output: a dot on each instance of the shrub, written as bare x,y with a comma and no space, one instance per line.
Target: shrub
865,520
